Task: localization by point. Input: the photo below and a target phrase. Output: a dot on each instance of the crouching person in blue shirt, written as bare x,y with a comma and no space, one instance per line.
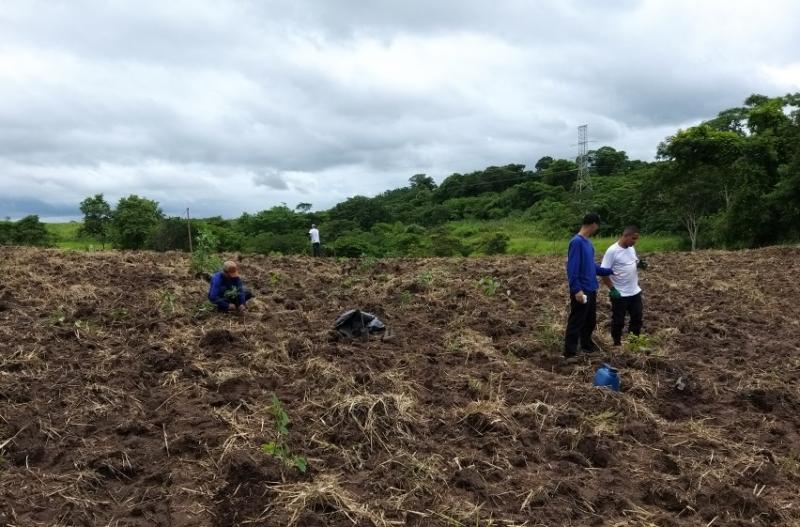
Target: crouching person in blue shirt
582,272
226,290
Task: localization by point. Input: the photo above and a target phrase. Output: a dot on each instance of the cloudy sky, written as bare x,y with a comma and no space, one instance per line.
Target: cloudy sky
232,106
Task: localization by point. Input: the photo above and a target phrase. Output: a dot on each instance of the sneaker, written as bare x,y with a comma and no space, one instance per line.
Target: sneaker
571,359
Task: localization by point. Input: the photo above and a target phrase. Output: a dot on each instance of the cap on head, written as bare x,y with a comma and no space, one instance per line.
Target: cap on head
591,218
230,268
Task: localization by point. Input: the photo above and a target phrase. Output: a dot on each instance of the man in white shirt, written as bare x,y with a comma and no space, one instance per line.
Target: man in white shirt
313,234
625,293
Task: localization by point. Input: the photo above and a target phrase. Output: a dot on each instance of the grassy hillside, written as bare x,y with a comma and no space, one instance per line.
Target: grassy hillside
66,237
527,239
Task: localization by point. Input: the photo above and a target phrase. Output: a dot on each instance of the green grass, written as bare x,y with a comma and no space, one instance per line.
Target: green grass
526,238
66,237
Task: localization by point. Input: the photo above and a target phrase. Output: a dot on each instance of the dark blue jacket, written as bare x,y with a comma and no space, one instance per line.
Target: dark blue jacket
582,271
221,283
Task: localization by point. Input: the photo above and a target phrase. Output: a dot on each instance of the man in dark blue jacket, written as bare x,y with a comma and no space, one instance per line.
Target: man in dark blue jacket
226,290
582,272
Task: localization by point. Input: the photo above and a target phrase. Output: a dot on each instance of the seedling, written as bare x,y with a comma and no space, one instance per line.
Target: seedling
57,318
426,278
232,294
118,314
367,263
406,297
643,344
279,447
204,259
204,310
489,285
274,278
168,302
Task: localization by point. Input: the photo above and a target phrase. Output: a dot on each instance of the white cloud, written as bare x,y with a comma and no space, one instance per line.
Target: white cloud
235,106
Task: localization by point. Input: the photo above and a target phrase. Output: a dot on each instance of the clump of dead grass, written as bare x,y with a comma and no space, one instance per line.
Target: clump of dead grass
326,492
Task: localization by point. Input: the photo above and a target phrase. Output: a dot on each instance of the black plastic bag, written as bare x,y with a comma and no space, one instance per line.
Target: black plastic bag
357,323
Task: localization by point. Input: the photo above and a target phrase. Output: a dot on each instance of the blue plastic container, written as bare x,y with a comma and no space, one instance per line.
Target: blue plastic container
606,376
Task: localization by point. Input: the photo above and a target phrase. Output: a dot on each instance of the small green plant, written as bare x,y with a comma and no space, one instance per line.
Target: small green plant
204,257
644,344
367,263
426,278
118,314
56,318
274,278
279,447
406,297
489,285
203,310
167,302
231,294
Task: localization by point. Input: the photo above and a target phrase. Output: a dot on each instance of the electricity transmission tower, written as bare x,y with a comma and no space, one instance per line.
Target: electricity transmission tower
583,162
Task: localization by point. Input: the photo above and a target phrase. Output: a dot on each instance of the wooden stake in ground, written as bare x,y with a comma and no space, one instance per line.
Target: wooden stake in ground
189,227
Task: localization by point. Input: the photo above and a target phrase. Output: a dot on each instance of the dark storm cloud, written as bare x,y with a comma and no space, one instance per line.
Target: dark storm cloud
234,106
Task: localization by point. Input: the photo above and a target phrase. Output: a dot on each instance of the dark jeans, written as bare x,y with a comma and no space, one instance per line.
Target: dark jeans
580,324
619,308
315,249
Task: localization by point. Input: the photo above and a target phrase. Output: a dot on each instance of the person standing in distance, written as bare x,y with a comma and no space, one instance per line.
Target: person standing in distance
582,272
313,234
624,290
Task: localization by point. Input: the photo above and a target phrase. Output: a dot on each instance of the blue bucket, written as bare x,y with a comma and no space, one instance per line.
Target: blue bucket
606,376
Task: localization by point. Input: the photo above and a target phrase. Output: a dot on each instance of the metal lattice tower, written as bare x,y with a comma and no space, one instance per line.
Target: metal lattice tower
583,161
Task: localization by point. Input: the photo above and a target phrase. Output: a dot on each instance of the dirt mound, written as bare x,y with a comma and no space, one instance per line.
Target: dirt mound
131,406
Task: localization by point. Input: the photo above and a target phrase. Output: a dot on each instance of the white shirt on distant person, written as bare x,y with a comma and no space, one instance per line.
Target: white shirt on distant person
314,233
623,263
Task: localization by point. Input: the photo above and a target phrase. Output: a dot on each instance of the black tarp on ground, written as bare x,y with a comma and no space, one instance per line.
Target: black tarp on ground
356,323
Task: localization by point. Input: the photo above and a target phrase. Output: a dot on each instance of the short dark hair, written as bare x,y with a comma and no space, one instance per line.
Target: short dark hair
630,229
591,218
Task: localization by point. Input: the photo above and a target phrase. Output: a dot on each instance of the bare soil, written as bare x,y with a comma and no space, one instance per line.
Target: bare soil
120,406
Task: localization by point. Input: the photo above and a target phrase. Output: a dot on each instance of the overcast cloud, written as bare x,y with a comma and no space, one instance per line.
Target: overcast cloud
233,106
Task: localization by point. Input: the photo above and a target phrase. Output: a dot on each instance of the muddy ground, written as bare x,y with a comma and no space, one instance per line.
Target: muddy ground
120,405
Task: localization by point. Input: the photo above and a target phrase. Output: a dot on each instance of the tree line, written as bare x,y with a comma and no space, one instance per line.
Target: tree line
732,181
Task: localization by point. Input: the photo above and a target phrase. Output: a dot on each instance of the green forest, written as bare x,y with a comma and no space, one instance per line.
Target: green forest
730,182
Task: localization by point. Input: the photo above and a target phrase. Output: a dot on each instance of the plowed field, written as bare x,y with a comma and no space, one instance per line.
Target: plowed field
120,405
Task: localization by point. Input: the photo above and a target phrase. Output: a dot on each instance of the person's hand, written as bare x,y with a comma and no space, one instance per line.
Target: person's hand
581,297
614,293
641,264
231,307
241,308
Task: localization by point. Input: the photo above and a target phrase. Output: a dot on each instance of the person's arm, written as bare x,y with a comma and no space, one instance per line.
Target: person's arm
216,294
574,267
607,263
240,288
603,271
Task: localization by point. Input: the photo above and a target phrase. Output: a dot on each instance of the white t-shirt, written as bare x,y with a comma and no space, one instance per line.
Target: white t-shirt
314,233
623,263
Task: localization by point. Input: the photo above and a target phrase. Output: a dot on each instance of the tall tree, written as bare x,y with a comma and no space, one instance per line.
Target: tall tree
607,160
133,221
421,181
96,217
